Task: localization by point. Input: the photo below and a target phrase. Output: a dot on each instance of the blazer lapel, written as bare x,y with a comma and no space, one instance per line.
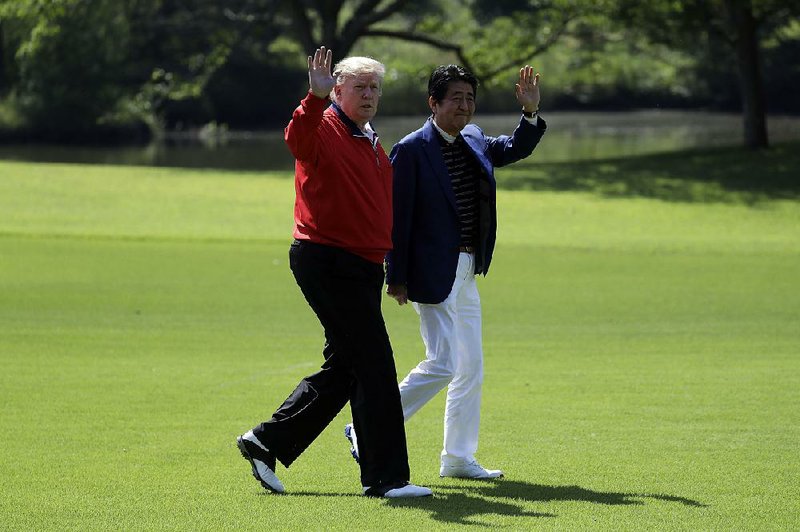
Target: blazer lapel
432,149
476,145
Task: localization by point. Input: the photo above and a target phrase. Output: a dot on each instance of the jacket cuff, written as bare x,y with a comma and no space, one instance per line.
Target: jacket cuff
311,101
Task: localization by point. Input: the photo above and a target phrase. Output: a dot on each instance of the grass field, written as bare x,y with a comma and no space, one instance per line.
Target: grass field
642,338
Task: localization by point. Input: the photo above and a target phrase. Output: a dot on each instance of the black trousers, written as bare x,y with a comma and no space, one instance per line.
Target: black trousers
344,290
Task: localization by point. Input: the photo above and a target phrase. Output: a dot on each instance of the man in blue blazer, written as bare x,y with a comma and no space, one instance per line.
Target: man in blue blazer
445,224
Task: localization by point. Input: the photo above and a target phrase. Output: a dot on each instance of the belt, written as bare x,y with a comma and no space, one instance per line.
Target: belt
466,249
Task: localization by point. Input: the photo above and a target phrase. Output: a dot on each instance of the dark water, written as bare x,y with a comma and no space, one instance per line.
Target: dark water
570,136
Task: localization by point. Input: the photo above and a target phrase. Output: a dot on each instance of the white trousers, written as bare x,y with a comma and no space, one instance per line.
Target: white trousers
451,332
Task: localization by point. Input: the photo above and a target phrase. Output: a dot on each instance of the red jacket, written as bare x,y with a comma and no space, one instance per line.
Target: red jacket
343,183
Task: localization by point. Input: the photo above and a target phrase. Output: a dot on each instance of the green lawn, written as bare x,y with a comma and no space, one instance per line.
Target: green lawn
642,347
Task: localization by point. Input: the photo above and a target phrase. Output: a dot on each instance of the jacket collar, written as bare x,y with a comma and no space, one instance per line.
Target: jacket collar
445,135
354,129
473,142
429,131
434,153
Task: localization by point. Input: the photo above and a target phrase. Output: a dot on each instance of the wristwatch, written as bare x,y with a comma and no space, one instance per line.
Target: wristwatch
526,114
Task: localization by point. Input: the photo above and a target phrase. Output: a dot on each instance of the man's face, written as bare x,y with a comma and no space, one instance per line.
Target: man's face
358,97
455,110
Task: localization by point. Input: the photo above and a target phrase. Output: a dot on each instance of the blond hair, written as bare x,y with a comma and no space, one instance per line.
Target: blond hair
351,67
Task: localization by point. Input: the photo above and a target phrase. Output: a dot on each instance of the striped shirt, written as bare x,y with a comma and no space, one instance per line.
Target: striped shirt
465,177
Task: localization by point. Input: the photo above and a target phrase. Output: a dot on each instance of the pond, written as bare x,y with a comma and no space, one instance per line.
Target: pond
570,136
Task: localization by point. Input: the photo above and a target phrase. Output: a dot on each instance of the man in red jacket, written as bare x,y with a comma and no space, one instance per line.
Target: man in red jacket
343,230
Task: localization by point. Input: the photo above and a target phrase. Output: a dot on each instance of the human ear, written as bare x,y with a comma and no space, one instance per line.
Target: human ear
432,104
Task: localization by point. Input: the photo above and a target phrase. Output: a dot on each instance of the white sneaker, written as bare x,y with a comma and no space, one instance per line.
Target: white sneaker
403,490
468,470
409,490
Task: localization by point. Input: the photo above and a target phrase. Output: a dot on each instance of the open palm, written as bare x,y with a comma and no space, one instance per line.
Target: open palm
527,89
319,72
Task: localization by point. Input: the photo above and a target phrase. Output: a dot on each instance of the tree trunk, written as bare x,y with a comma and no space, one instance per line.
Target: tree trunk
3,87
751,83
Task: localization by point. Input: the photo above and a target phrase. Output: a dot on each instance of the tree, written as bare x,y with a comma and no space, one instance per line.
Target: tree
743,27
3,61
739,24
180,47
510,33
316,22
69,66
16,22
502,34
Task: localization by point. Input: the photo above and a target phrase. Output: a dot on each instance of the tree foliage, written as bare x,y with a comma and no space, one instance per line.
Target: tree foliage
740,25
73,64
182,45
70,65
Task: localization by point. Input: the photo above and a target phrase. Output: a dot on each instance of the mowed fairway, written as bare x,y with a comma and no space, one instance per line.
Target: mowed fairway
642,360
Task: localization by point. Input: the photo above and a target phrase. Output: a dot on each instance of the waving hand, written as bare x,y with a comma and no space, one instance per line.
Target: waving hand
528,89
319,72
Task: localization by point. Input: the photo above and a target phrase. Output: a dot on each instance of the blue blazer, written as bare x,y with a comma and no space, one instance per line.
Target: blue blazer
425,233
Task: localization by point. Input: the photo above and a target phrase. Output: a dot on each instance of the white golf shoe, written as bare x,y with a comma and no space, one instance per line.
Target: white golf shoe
350,434
261,460
468,470
399,490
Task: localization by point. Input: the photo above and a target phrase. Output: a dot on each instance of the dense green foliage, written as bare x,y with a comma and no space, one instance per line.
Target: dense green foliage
73,64
68,67
641,355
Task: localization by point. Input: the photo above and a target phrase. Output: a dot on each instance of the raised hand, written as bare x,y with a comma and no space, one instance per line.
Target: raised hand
319,72
528,89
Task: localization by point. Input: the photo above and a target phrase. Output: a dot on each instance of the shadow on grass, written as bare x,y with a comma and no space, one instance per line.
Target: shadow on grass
459,504
727,175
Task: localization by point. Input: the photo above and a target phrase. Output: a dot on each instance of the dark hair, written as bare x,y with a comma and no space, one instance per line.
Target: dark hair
443,75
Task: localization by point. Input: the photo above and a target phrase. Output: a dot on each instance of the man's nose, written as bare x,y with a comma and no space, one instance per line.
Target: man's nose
369,92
